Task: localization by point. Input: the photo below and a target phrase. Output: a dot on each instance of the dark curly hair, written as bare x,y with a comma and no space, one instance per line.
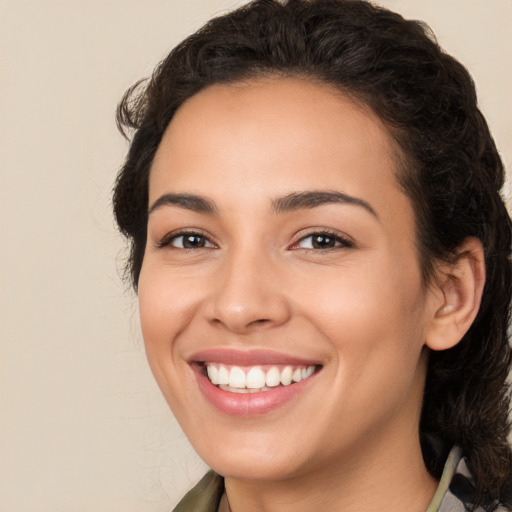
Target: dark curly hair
449,168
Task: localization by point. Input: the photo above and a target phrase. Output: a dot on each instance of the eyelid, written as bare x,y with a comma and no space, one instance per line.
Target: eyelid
166,240
345,241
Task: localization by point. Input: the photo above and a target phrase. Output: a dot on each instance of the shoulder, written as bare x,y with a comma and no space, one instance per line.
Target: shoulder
459,489
205,496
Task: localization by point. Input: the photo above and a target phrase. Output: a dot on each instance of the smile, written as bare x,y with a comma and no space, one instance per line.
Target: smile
251,383
255,379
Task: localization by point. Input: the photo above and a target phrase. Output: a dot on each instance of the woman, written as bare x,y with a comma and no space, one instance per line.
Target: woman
321,256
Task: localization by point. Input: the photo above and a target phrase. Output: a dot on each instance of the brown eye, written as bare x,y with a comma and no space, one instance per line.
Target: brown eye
192,241
319,241
187,241
323,242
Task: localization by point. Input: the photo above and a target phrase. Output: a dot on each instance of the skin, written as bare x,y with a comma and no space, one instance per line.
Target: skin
350,440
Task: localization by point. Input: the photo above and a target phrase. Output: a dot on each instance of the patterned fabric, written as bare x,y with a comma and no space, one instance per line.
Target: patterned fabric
454,486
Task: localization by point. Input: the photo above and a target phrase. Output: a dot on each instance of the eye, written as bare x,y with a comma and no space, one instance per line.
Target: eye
187,240
323,241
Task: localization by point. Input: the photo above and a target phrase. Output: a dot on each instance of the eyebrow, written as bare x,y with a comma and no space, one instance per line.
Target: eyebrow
287,203
315,198
192,202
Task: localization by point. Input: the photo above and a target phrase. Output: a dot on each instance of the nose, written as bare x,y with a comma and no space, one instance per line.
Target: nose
248,295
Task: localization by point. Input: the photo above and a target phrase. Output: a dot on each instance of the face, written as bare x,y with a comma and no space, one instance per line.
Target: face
281,300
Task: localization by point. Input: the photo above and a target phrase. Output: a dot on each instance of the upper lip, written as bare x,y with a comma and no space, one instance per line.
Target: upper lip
249,357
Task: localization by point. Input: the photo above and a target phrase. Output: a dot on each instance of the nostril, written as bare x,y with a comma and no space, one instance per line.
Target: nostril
242,326
260,321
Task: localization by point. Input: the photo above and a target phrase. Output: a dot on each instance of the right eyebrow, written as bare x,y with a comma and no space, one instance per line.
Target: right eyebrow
192,202
310,199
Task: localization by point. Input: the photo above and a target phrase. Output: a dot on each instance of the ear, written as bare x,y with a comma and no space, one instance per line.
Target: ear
457,293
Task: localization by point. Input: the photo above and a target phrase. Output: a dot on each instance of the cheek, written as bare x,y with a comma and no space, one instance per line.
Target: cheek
164,307
374,329
165,311
370,312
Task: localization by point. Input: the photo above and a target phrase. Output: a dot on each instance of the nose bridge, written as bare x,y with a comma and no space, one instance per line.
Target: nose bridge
248,294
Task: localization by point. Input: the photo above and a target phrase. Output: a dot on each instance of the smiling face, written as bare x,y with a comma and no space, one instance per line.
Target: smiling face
281,261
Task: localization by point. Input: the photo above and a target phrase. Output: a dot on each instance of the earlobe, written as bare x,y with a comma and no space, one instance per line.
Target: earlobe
457,296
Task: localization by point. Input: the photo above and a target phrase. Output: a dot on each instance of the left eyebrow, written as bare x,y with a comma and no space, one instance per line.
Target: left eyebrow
315,198
191,202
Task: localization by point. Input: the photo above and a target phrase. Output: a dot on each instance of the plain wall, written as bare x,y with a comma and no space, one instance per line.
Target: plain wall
82,425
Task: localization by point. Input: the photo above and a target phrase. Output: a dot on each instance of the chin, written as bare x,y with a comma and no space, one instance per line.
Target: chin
256,468
255,458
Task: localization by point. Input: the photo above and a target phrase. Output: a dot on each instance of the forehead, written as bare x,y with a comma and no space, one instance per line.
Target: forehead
274,135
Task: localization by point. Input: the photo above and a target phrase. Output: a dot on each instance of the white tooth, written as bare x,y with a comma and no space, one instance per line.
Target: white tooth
286,376
223,375
236,377
303,373
213,374
240,390
273,378
309,371
297,375
255,378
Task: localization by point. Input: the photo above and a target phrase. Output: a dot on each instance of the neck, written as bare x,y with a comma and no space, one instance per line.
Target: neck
376,478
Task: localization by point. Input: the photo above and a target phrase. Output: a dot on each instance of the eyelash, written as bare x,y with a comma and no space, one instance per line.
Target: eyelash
170,237
342,242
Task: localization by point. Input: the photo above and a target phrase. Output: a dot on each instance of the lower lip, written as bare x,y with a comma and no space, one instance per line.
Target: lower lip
249,404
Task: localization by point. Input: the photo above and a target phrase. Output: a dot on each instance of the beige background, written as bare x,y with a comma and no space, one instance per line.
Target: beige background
82,425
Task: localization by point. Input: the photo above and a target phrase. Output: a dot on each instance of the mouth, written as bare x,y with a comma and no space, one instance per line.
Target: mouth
251,383
255,379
